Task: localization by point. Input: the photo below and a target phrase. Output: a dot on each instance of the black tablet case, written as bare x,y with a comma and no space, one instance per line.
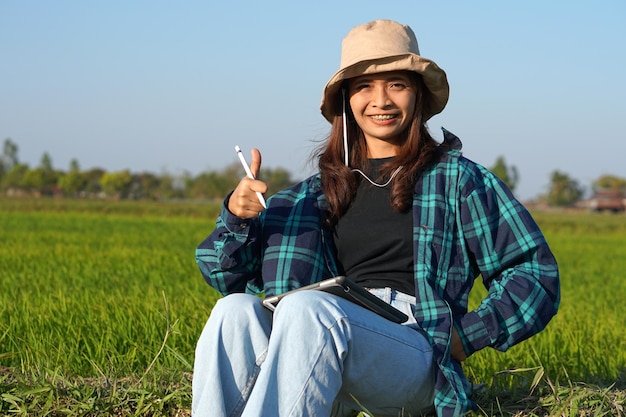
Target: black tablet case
345,288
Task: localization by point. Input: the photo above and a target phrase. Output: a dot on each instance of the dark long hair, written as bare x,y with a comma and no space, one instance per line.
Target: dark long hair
418,150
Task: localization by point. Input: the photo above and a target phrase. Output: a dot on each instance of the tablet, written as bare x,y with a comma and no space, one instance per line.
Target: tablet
343,287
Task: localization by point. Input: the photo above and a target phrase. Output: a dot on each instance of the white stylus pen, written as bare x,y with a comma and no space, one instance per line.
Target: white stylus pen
249,173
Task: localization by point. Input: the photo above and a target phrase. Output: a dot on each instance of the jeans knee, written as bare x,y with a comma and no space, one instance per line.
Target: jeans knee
233,305
231,314
298,302
308,307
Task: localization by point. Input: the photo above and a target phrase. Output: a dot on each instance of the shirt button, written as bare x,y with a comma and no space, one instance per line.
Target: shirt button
243,225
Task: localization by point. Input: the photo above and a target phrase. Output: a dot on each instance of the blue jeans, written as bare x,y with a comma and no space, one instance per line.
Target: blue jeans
318,355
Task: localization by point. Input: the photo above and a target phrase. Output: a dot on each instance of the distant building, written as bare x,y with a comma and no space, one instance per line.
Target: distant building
609,200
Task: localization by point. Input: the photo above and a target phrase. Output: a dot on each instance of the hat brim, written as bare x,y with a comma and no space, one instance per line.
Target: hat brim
434,78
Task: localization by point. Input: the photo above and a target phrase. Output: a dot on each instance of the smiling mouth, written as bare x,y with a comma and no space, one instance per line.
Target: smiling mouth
382,117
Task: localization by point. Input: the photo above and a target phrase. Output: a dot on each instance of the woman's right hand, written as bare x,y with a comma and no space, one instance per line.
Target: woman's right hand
243,201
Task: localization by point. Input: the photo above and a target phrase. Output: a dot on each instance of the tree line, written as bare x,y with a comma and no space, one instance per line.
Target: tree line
563,190
18,178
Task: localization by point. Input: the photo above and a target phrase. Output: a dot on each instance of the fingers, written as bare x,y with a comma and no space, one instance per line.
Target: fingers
243,201
255,165
256,186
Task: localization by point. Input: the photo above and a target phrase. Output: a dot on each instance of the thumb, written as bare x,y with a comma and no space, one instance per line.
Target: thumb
255,165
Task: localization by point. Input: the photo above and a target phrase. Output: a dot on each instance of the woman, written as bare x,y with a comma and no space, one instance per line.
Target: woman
407,218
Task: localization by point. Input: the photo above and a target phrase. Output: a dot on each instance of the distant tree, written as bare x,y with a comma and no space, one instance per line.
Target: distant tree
13,179
46,162
45,176
8,160
73,182
277,179
234,172
216,184
33,181
92,179
116,184
74,165
211,185
609,182
507,174
145,185
170,186
564,191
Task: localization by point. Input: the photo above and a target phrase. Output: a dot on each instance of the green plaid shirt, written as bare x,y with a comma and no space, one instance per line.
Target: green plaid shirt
466,223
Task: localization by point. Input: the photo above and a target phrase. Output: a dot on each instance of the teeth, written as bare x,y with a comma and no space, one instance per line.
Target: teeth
383,117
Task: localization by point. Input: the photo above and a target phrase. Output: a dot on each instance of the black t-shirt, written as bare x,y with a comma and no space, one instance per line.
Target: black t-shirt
374,243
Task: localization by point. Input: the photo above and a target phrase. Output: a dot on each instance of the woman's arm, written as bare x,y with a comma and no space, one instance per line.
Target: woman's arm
517,267
230,257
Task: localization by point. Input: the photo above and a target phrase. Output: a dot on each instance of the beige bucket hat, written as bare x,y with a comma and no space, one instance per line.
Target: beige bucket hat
381,46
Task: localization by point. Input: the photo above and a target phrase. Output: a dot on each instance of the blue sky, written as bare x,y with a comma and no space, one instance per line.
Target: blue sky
173,86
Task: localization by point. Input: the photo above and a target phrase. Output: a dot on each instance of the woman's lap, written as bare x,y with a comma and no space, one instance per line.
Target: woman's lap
380,365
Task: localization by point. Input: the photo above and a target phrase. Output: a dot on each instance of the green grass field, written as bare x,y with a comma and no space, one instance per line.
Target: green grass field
101,304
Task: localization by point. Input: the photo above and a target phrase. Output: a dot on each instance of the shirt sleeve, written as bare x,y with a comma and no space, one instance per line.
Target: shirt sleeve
229,258
517,267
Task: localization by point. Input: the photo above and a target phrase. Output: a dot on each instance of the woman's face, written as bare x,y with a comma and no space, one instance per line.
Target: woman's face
383,105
